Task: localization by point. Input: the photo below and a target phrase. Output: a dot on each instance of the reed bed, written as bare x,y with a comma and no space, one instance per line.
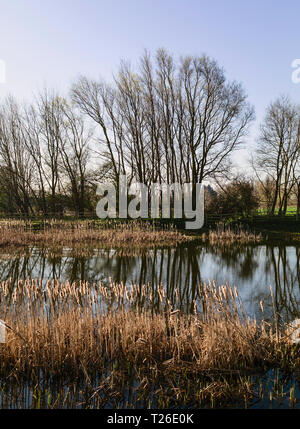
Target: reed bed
87,233
98,340
112,233
225,233
56,328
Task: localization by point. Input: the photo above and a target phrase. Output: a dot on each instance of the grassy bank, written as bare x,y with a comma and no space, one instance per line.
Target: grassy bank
274,229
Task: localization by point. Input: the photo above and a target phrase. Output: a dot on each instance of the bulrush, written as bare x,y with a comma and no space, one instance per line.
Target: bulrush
73,329
88,233
228,234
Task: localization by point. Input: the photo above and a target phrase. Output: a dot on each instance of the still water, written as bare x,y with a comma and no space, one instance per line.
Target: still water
252,268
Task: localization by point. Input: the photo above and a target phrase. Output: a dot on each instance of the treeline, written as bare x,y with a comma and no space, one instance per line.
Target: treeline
164,121
44,157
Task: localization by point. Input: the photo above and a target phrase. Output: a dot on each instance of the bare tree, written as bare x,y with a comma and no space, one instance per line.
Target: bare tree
75,154
277,154
16,163
167,121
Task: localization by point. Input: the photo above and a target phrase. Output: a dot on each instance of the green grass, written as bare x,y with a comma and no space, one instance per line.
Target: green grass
291,211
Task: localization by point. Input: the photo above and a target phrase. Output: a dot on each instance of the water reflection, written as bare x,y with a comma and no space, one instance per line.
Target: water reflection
252,268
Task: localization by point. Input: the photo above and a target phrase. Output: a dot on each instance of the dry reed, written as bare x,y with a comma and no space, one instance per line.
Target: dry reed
70,329
228,234
87,233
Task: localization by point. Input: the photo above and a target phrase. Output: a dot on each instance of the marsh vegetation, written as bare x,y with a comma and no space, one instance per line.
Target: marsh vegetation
143,326
81,332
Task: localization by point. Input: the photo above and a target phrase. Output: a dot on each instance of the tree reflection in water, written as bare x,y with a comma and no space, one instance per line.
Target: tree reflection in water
252,268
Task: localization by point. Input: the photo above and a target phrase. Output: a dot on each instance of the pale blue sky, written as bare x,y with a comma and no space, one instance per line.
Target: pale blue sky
51,42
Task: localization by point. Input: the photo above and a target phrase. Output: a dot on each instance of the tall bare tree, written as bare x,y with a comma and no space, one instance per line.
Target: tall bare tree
277,154
167,121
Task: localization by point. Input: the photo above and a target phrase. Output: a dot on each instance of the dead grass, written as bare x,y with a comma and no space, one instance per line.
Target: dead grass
228,234
60,328
87,233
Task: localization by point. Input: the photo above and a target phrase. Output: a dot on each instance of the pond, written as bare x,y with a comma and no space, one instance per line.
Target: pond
251,268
